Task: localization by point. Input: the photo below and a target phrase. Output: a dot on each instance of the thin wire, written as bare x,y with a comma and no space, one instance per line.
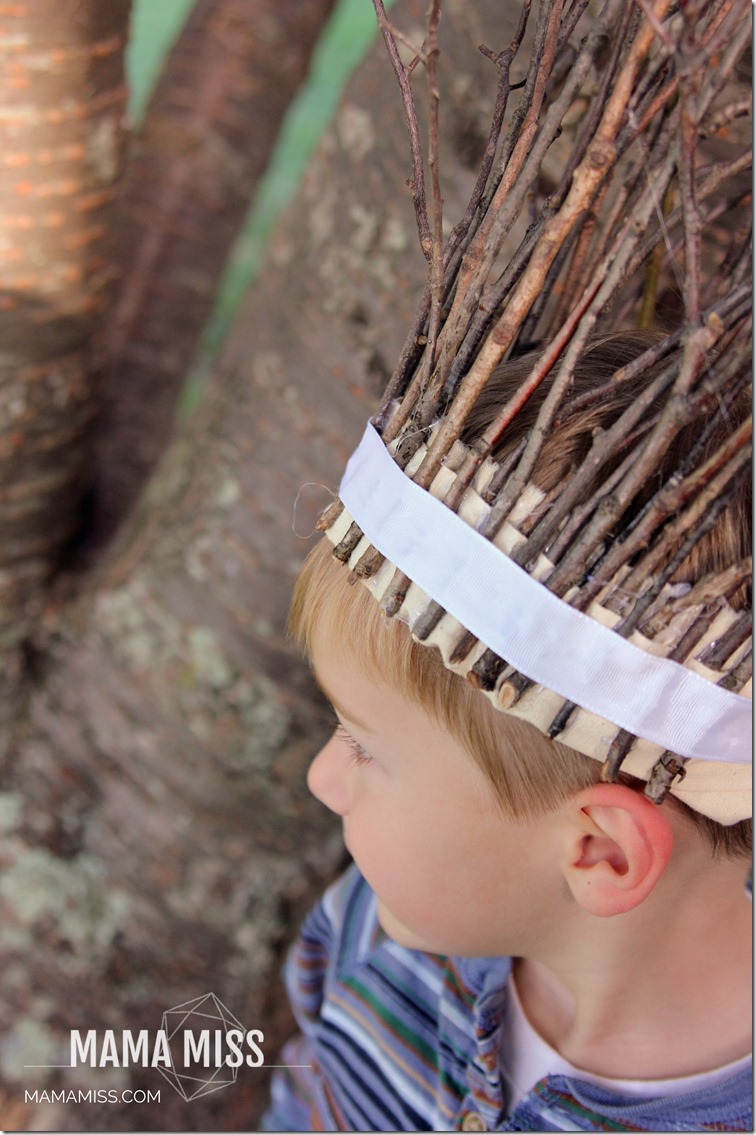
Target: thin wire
309,485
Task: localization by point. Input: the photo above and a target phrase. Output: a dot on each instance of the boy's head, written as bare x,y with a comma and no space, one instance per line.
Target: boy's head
452,874
478,835
530,775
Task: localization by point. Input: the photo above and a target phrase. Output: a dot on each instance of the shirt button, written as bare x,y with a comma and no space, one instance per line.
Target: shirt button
473,1122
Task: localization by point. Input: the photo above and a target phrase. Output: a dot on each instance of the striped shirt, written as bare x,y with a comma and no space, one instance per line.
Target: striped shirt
399,1040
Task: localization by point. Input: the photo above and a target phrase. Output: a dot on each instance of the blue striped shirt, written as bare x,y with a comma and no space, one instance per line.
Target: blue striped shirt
398,1040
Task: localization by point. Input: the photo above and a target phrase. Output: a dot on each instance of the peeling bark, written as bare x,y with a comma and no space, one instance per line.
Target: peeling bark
208,134
62,100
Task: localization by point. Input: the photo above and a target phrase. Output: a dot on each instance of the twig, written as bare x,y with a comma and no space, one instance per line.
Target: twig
705,516
713,488
387,425
717,15
716,655
740,108
503,60
580,514
654,272
500,212
587,178
675,413
656,24
436,273
736,679
490,303
691,216
417,182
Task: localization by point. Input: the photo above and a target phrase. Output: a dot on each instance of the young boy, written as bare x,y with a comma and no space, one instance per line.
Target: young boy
519,945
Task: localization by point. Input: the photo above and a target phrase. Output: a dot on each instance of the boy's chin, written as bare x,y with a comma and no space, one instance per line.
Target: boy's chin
401,934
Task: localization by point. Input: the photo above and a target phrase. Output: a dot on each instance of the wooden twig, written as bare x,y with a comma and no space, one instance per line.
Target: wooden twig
396,594
344,549
647,315
735,39
718,13
570,21
385,424
723,20
418,53
713,590
618,750
580,514
736,679
676,552
499,213
436,272
598,104
587,178
650,357
546,415
691,217
723,116
737,260
676,412
656,24
503,61
717,654
583,318
490,303
667,769
417,182
716,489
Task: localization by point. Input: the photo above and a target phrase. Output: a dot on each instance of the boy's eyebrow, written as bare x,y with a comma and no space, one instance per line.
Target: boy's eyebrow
339,709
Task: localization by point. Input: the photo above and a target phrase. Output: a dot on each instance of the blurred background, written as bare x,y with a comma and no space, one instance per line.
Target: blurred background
342,44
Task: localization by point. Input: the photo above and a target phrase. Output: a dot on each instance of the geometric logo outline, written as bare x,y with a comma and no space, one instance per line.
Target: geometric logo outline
209,1012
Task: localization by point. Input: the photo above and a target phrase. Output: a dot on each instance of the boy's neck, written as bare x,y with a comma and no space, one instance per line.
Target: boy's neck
661,992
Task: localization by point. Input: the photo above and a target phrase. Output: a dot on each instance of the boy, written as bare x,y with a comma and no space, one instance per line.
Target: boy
521,945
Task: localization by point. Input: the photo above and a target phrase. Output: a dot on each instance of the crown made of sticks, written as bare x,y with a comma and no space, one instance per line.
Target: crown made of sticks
566,607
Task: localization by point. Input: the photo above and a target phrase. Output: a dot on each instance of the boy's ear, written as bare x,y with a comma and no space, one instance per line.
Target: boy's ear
617,847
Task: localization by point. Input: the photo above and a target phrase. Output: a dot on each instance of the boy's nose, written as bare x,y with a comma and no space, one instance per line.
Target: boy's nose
327,779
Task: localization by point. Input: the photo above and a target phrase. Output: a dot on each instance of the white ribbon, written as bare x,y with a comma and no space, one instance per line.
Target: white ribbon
535,631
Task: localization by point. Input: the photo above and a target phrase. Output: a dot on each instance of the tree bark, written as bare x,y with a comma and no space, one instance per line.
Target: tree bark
63,97
156,835
208,134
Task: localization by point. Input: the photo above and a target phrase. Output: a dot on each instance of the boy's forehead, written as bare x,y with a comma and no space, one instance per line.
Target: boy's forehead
344,679
343,708
359,689
355,683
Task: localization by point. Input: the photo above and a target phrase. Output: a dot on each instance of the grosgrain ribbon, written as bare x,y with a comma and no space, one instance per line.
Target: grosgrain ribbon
535,631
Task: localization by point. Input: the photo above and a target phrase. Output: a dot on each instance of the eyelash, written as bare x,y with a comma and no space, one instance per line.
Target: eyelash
358,755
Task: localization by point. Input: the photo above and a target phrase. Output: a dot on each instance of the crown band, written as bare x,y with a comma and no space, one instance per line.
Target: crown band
542,636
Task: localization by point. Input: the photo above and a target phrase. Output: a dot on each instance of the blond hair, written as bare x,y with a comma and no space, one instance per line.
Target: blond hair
537,773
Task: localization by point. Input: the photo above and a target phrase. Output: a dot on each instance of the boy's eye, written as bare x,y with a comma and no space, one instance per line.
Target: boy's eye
359,755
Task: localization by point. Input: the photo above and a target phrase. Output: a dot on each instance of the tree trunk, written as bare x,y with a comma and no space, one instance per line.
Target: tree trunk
208,134
63,98
157,838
